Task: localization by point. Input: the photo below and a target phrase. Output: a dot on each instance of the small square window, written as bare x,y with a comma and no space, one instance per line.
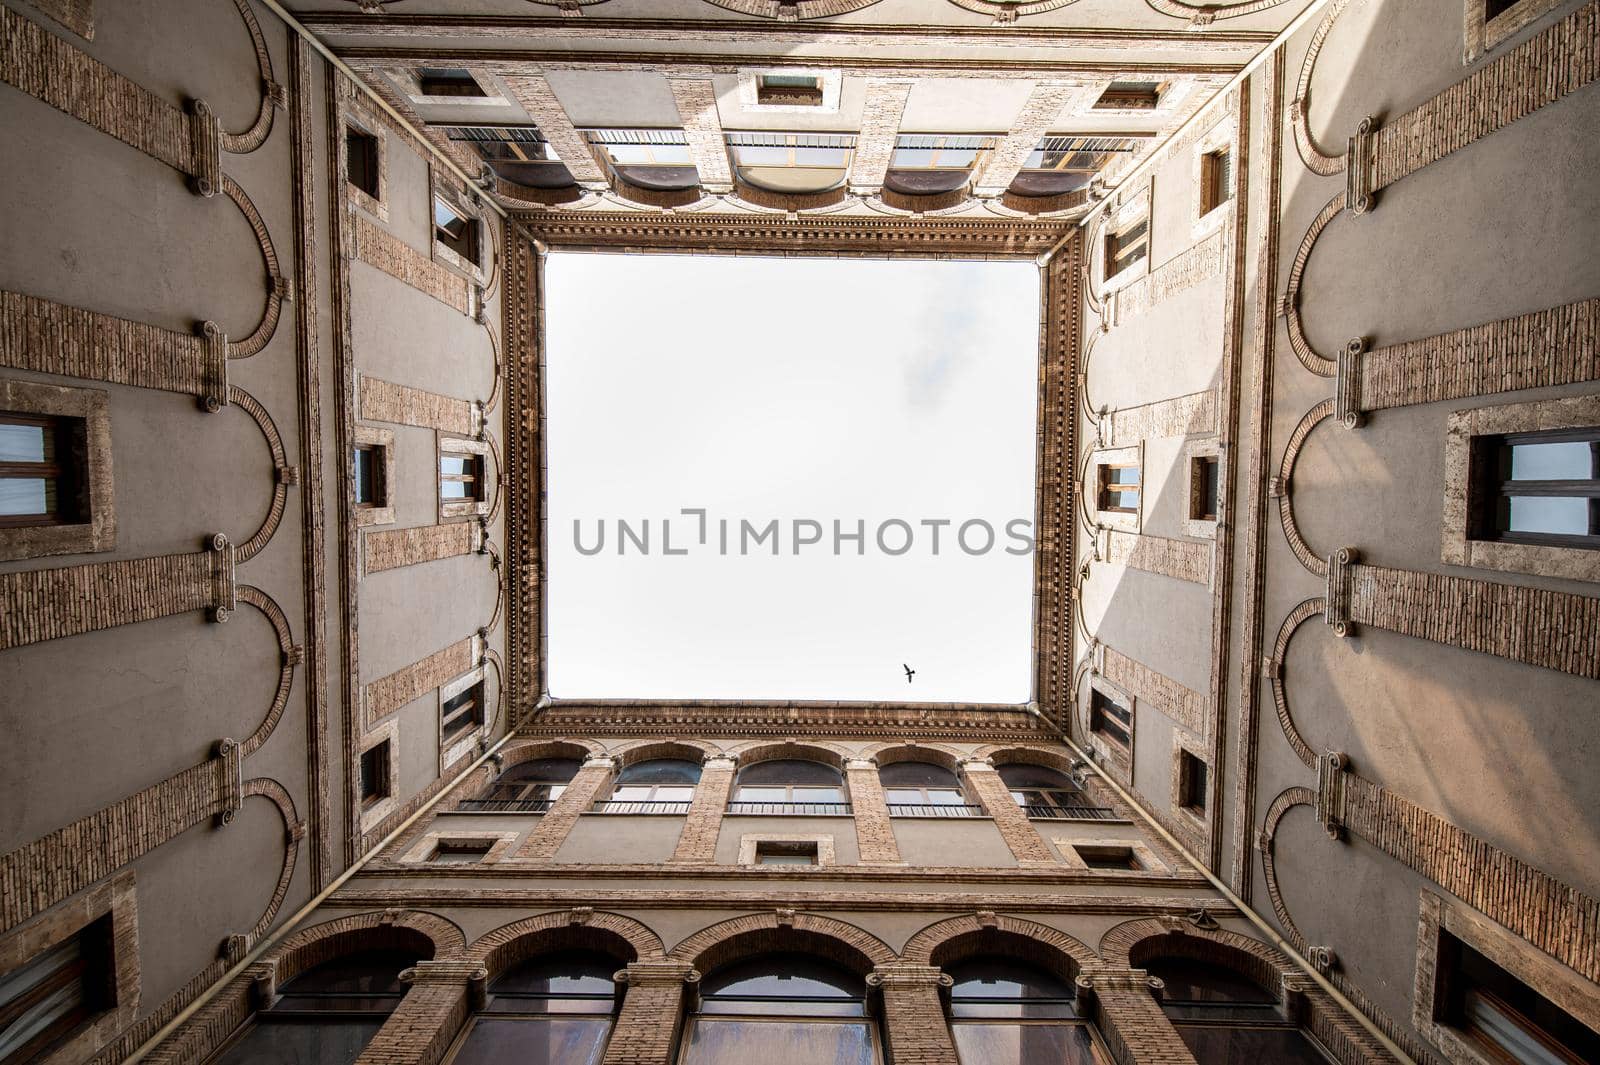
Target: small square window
44,471
369,475
1216,180
1130,96
58,993
461,712
1119,488
460,851
1107,856
457,232
1127,246
1192,774
376,784
362,165
1540,488
1110,719
786,852
448,81
1203,488
791,90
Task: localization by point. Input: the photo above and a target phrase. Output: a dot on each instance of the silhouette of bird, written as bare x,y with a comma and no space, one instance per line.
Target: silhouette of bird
909,672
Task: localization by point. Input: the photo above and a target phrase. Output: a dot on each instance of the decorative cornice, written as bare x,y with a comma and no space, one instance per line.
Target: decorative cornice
900,721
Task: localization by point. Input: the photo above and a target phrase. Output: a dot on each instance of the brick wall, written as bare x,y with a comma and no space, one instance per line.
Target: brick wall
880,127
377,247
392,548
385,401
387,694
1185,560
1182,704
874,829
698,841
1179,416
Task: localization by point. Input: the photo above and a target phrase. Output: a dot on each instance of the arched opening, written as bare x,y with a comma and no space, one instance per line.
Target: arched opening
1225,1018
327,1014
792,163
657,786
556,1009
928,164
527,787
789,786
656,159
782,1009
922,789
1048,794
1008,1012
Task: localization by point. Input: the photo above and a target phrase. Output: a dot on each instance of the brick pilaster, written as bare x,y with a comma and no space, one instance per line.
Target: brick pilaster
696,99
880,129
913,1017
646,1031
697,844
1038,115
1130,1018
564,812
422,1028
874,831
1027,846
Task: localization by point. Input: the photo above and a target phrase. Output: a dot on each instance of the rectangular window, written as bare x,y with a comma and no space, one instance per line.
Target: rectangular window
375,783
460,851
448,81
1203,488
1119,488
456,231
1502,1017
1127,246
1538,488
783,852
1110,718
1130,96
1191,783
43,470
1107,856
53,996
361,160
1493,9
368,467
461,476
1216,180
791,90
462,711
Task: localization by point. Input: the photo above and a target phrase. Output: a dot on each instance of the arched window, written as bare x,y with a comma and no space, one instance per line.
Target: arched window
1048,794
782,1009
798,163
919,789
659,786
528,787
551,1010
925,164
789,786
1005,1012
327,1014
1226,1019
657,159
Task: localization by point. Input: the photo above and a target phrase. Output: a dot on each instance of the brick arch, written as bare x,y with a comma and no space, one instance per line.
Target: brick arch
924,202
766,751
761,933
431,936
609,933
788,201
644,750
893,751
478,785
958,938
1011,754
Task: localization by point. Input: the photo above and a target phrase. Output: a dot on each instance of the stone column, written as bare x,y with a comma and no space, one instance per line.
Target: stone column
913,1017
430,1016
697,844
1027,846
1129,1017
874,830
646,1032
564,812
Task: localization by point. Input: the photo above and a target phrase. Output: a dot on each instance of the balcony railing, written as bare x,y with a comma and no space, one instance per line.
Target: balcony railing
627,806
933,809
793,809
506,806
1072,813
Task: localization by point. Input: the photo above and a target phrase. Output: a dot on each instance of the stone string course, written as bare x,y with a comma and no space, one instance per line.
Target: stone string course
1188,415
387,694
385,401
1183,705
392,548
1558,346
1556,630
378,248
1185,560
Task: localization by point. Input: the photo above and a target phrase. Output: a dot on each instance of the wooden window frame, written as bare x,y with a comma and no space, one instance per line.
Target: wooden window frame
493,845
442,189
1129,217
1482,33
1143,861
1124,519
444,77
1185,755
1111,98
378,807
461,742
408,80
380,512
115,899
95,527
809,96
456,509
1213,201
1115,758
355,115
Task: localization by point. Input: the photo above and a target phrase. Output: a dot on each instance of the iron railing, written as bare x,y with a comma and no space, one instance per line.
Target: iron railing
796,809
630,806
1071,813
506,806
933,809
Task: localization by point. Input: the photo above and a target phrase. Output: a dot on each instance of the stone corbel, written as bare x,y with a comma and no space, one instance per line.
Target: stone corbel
657,974
224,591
205,138
471,975
215,396
1337,611
230,780
1359,165
263,977
1331,807
1347,384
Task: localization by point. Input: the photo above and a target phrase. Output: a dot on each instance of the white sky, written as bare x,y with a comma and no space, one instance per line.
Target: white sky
823,389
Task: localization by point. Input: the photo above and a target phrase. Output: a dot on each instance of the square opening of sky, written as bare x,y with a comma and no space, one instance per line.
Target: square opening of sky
885,396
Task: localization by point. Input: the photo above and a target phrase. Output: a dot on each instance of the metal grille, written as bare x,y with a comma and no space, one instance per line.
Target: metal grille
506,806
798,809
624,806
637,136
792,140
933,809
1071,813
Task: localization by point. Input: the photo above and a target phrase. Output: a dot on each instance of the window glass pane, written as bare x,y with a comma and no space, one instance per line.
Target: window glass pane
632,793
716,1041
674,793
555,770
903,795
1192,981
303,1042
762,155
457,465
661,771
373,972
912,158
575,973
1568,461
22,443
1546,514
1249,1046
790,772
786,978
1032,776
945,797
916,774
818,795
785,859
535,1041
23,495
831,157
444,217
364,467
453,489
1025,1044
1122,475
991,978
749,794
